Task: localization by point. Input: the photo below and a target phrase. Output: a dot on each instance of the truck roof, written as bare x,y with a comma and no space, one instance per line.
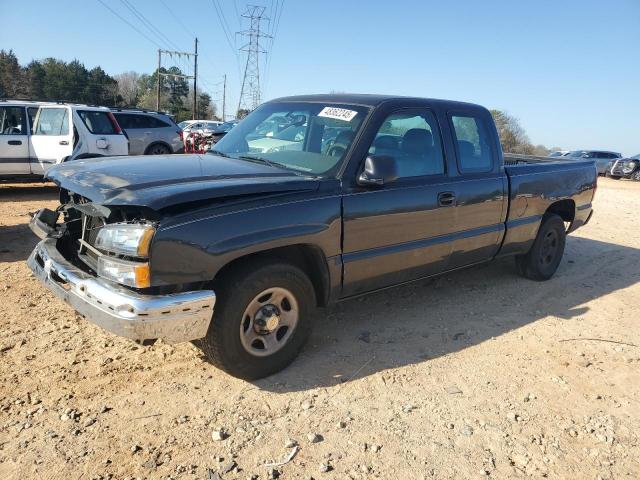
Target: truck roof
368,100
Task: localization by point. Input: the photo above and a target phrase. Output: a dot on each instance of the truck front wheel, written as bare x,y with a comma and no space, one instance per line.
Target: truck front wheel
542,261
263,317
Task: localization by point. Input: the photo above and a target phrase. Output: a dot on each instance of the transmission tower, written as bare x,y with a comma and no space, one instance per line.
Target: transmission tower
250,91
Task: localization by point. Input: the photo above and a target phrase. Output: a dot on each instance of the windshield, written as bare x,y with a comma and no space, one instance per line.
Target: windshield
307,137
575,153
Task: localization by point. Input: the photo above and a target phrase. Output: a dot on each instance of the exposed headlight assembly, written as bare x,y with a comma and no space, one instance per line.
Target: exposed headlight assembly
133,274
131,239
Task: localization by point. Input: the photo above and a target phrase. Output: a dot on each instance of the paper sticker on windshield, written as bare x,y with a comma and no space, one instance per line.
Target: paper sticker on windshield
338,113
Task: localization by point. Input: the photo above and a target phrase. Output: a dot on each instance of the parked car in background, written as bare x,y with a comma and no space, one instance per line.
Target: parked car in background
200,126
601,157
223,129
149,132
36,135
626,168
559,153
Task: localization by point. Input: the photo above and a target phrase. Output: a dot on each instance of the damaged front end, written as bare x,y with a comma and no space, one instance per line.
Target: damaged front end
96,258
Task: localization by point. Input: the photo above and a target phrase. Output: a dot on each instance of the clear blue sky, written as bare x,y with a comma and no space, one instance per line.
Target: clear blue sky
568,69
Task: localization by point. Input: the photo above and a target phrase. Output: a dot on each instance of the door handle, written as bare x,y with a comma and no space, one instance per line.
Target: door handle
15,142
446,199
64,142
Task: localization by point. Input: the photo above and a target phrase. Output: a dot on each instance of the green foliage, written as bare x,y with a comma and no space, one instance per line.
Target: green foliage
513,137
55,80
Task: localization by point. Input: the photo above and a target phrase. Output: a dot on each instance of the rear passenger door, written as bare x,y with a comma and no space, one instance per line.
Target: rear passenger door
52,138
403,230
14,141
479,187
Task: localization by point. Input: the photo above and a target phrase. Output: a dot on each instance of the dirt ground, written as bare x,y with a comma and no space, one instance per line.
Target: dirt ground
477,374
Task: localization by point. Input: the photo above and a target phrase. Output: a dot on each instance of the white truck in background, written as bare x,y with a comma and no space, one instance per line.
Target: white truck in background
36,135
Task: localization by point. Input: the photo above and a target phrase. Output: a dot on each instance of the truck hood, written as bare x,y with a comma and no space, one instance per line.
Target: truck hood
161,181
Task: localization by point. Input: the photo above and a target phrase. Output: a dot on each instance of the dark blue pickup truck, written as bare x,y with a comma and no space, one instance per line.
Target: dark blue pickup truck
308,201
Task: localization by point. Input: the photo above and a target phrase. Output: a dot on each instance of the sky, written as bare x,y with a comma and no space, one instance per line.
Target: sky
569,70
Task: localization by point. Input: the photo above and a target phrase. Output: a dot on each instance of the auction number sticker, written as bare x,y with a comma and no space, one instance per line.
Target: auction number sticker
338,113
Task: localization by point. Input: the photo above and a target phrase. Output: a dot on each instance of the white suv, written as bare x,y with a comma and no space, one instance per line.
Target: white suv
36,135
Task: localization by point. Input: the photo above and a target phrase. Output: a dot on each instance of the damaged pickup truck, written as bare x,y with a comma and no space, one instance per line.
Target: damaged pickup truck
235,249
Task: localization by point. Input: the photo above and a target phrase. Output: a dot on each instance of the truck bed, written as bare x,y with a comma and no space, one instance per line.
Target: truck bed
537,182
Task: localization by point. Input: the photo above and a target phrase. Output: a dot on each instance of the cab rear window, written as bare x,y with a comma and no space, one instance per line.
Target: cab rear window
98,122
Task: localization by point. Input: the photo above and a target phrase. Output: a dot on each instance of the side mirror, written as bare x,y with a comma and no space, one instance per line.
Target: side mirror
379,170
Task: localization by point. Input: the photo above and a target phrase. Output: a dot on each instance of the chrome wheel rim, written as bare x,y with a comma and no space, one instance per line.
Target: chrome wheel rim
269,321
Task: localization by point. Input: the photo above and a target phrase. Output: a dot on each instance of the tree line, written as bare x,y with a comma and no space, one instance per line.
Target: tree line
51,79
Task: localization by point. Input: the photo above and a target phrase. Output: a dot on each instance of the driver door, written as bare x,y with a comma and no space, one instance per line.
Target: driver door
404,230
14,141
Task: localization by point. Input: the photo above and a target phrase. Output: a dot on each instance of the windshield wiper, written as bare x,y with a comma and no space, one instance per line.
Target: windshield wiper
218,152
271,163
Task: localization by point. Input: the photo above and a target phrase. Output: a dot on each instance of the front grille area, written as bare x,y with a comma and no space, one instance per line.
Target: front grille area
90,228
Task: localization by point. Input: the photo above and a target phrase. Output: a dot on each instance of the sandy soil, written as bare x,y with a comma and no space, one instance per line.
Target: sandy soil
475,374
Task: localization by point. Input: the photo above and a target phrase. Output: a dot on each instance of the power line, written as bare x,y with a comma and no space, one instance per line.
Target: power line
223,24
152,28
129,23
274,33
177,19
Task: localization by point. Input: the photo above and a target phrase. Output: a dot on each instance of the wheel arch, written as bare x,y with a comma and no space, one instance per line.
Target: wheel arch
565,209
157,142
309,258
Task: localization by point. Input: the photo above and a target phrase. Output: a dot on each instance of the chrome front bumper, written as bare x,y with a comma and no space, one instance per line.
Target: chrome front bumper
174,318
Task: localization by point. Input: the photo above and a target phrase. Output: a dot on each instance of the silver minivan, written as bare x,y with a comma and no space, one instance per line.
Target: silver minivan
150,133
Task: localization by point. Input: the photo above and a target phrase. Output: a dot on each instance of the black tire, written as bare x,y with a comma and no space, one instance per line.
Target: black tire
635,176
238,289
542,261
614,177
157,149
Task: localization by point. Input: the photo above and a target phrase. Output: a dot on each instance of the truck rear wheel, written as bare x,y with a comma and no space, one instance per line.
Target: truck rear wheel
542,261
262,319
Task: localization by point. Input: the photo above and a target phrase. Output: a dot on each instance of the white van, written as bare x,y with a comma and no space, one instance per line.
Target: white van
36,135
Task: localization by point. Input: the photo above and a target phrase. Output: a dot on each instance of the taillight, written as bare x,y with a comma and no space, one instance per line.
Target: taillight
114,122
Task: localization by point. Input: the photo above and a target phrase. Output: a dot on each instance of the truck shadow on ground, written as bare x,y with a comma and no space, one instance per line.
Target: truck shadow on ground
431,318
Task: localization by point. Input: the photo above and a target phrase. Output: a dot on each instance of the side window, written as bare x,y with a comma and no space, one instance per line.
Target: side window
12,121
53,121
123,120
157,123
413,138
144,121
472,144
97,122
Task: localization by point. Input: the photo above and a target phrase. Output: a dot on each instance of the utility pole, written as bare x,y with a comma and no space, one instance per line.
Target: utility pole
195,82
158,81
250,92
224,97
171,53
